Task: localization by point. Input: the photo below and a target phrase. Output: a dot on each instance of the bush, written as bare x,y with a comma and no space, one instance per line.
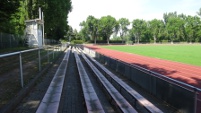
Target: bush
129,42
105,42
77,42
165,41
151,41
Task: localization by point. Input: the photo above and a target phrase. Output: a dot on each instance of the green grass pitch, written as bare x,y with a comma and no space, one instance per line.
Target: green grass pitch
189,53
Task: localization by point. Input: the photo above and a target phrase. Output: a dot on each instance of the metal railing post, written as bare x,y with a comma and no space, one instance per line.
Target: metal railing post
1,44
39,60
53,52
10,40
21,70
48,59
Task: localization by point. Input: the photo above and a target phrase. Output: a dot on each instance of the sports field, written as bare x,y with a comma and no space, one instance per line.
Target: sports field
188,53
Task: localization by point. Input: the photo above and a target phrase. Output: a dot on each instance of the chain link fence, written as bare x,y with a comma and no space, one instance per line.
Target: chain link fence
11,41
19,69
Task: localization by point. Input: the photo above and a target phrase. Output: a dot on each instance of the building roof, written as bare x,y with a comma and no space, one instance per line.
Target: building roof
39,21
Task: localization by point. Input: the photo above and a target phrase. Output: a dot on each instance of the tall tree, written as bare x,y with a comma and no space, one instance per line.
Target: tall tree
70,34
131,34
156,26
84,32
107,26
167,16
174,27
92,27
123,27
17,22
199,13
192,28
197,29
7,9
56,18
138,26
182,32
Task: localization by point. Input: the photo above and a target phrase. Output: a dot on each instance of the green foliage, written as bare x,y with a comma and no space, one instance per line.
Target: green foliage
116,38
18,20
139,27
7,9
63,40
129,42
84,35
112,42
32,7
92,27
123,27
55,18
199,12
155,27
107,26
164,41
77,42
15,12
173,28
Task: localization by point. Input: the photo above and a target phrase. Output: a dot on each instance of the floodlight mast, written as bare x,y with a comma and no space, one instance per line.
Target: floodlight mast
43,30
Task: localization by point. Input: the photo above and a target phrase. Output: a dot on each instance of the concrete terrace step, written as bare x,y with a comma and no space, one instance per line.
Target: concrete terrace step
91,99
148,106
116,98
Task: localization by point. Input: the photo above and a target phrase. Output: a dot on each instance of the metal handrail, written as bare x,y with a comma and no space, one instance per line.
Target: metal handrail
16,53
29,50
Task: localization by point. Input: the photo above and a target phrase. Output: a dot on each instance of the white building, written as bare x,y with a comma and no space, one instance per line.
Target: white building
34,32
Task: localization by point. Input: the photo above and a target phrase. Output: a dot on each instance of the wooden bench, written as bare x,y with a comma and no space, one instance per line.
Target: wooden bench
51,99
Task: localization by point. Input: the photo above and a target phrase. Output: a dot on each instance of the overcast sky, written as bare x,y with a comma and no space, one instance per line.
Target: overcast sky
131,9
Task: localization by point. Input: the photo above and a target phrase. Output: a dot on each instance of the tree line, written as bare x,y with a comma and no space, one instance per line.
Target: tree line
173,28
15,12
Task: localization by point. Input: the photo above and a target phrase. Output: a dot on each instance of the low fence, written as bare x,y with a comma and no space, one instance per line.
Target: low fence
10,40
50,42
18,69
178,94
35,58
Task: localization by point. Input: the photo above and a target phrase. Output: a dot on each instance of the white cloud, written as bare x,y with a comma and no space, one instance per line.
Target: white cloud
131,9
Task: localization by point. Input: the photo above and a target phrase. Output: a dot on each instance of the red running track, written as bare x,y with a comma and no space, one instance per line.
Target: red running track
183,72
